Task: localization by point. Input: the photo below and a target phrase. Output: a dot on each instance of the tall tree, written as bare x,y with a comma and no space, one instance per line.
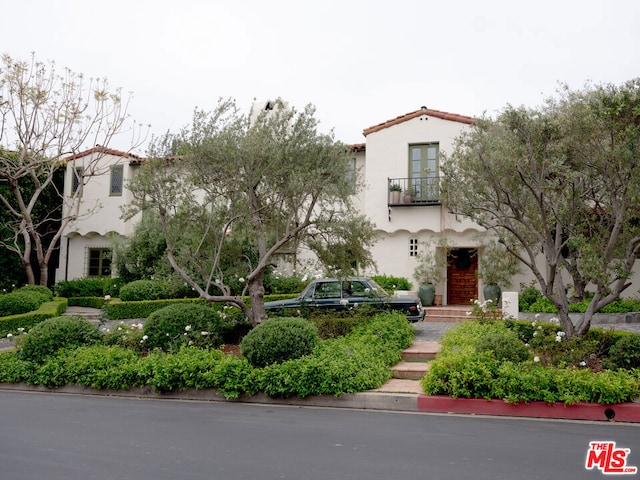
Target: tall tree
560,184
46,117
272,181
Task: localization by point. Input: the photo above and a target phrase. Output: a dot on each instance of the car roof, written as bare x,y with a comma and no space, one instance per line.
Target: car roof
341,279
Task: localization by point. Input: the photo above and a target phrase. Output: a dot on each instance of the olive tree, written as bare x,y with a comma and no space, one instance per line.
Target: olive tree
271,181
46,117
560,187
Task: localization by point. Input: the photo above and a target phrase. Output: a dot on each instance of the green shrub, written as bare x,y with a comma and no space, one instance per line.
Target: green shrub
392,283
87,287
12,323
504,346
278,339
625,353
44,292
143,290
20,301
528,296
186,323
355,363
537,304
543,305
55,333
464,369
91,302
125,336
117,310
332,327
96,366
276,285
622,305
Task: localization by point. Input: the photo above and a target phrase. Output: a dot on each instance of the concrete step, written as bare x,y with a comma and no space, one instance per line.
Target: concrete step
448,313
410,370
421,351
400,385
92,314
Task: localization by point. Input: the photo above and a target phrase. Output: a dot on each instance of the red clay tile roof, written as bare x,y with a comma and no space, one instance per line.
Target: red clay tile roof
358,147
106,151
454,117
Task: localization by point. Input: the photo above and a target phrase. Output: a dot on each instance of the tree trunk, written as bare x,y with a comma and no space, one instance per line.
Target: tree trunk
256,294
28,268
44,274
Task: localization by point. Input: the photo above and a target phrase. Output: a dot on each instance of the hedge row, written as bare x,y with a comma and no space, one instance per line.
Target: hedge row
90,302
466,367
117,310
350,364
11,323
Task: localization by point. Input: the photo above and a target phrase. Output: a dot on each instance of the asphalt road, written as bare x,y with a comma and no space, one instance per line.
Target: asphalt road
57,436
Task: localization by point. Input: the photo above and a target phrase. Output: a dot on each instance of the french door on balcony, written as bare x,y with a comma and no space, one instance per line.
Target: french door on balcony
423,171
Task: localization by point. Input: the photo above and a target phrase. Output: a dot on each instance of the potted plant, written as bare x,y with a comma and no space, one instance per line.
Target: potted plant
408,195
429,272
497,268
395,193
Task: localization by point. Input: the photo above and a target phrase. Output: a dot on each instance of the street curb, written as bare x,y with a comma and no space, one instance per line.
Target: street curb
395,402
622,412
398,402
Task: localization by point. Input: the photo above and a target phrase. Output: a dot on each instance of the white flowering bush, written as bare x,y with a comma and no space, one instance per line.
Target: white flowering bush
18,337
126,336
554,370
183,324
486,311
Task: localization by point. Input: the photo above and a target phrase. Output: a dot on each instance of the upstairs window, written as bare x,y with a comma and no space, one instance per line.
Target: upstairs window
424,171
77,178
117,180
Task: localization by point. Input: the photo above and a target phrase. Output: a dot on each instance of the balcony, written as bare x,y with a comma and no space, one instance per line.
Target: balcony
413,192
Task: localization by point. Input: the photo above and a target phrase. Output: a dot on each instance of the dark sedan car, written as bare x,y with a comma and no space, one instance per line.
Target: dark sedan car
341,294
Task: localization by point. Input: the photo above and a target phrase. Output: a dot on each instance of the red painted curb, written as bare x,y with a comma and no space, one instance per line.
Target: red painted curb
622,412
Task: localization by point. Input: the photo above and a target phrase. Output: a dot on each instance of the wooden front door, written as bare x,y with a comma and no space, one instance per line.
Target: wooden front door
462,276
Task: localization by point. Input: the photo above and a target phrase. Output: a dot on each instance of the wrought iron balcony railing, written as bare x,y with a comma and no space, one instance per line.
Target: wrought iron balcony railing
414,191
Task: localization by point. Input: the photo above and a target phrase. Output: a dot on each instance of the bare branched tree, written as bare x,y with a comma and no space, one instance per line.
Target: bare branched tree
45,118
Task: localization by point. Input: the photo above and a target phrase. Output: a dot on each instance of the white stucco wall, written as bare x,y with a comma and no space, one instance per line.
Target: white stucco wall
388,157
99,213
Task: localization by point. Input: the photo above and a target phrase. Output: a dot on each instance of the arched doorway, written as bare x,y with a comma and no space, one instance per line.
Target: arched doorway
462,276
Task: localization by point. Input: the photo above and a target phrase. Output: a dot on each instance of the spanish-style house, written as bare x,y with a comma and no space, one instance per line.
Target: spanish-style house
400,165
403,153
85,247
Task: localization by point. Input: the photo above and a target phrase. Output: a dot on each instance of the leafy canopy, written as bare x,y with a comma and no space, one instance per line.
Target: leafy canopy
268,181
559,183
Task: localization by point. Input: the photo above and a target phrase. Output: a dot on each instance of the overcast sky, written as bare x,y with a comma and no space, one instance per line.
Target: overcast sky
360,62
